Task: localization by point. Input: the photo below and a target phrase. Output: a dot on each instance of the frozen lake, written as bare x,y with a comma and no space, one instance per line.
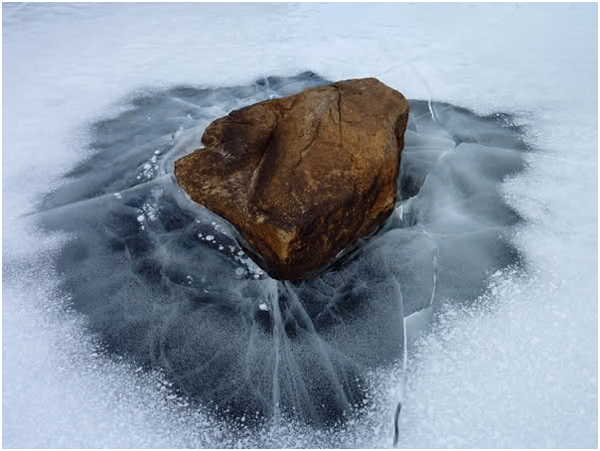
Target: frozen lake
496,228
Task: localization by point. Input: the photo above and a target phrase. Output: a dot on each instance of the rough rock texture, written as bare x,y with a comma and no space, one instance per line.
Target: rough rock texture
302,177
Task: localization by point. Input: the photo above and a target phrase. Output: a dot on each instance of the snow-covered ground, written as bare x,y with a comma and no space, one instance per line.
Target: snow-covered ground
517,370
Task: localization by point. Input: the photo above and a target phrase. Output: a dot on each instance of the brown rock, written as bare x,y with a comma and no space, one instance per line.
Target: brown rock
302,177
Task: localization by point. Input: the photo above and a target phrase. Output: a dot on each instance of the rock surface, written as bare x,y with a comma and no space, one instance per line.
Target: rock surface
302,177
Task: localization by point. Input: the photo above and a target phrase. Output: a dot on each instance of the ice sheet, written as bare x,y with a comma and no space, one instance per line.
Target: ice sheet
165,283
522,372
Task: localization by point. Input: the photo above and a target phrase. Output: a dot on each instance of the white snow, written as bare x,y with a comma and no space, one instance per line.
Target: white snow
519,369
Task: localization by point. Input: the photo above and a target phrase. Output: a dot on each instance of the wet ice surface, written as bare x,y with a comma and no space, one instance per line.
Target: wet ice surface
165,285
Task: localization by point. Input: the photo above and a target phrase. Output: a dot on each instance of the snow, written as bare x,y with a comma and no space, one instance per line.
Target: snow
517,369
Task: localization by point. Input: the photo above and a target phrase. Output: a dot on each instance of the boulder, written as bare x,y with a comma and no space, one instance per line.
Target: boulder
302,177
